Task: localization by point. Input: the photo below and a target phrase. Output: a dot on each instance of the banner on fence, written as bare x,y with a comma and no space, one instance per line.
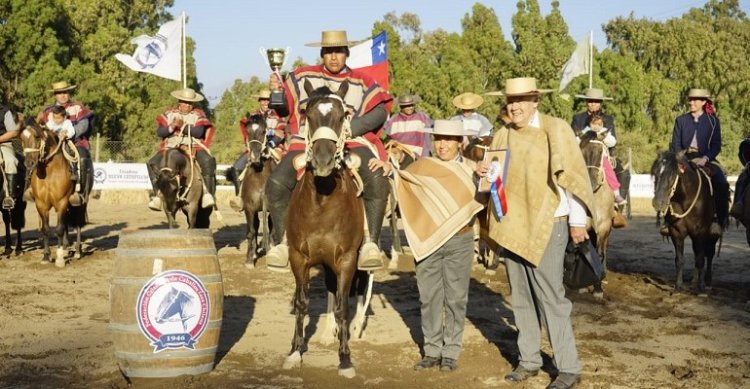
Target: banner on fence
121,176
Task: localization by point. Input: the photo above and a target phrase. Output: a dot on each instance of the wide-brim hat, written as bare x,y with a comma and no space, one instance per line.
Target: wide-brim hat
593,94
332,39
468,100
61,86
448,128
521,86
187,94
699,93
263,94
408,100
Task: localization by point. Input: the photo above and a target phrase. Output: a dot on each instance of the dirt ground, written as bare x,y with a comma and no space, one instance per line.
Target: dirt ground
54,322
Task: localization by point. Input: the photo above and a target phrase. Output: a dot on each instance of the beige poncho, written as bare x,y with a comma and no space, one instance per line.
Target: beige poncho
540,159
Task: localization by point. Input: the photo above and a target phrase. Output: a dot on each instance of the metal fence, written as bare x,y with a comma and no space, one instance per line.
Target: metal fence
103,150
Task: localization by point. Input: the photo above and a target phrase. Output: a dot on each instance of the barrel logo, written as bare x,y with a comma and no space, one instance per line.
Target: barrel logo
173,310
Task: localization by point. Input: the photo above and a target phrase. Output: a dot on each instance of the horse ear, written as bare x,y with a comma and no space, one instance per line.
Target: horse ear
308,87
343,88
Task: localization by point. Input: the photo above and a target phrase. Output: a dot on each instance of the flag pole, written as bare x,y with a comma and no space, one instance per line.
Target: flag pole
591,58
184,57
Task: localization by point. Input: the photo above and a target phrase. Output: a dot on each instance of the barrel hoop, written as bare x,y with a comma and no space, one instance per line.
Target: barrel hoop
167,372
165,253
142,356
134,327
207,279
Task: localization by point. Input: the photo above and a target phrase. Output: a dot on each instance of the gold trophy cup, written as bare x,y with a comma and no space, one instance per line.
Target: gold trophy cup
275,58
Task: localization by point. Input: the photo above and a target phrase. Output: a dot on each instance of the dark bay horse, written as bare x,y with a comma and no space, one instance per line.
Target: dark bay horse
51,187
745,219
180,186
260,163
594,152
15,218
326,218
683,194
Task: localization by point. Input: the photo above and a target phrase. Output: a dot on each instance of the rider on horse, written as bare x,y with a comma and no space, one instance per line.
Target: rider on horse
276,135
699,132
741,185
82,120
8,131
185,125
366,102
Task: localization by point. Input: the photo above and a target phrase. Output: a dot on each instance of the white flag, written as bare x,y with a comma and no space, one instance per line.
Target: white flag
577,64
158,55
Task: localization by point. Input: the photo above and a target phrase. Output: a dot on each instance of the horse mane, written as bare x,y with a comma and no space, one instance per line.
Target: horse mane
587,137
318,94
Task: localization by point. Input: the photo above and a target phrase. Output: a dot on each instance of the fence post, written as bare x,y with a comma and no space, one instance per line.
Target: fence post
96,148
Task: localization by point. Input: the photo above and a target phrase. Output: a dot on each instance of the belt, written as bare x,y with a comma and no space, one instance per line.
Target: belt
560,218
465,229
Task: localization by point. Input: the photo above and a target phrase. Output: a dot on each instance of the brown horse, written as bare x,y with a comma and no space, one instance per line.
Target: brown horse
260,163
180,186
51,187
683,194
745,219
594,152
326,221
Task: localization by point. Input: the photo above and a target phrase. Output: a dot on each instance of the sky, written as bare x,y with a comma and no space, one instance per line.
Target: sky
229,33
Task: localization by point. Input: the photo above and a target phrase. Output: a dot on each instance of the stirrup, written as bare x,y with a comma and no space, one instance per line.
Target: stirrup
8,203
155,204
277,258
75,199
369,257
207,201
237,204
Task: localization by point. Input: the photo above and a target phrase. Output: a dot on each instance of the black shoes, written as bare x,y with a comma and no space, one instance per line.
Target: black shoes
427,362
521,373
448,364
565,381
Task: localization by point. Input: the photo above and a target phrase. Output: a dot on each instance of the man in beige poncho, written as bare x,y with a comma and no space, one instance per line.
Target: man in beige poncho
548,193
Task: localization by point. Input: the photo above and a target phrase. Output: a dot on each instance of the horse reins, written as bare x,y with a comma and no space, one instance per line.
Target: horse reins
42,146
600,169
695,199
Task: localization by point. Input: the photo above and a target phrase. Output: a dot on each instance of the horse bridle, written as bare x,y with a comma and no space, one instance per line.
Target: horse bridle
328,133
41,149
600,169
700,173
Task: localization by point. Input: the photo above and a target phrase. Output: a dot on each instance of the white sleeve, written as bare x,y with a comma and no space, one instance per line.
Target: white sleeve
577,216
68,129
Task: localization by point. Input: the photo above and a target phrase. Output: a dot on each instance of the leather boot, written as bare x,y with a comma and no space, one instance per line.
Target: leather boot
8,202
277,258
736,211
370,257
207,201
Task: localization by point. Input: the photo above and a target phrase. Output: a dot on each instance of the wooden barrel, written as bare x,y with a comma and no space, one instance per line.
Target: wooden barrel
166,302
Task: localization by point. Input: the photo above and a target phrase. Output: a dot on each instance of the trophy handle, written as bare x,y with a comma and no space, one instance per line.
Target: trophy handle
262,52
286,55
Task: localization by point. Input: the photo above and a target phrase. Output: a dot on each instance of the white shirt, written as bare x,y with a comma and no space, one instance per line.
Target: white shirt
63,129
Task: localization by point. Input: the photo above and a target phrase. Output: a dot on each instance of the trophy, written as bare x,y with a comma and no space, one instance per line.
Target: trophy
275,59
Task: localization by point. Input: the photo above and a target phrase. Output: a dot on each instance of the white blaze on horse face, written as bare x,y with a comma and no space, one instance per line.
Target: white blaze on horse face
325,108
255,126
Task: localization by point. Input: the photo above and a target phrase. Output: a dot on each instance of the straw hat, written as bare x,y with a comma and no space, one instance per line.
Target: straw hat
263,94
468,100
61,86
448,128
522,86
187,94
408,100
699,93
332,39
593,94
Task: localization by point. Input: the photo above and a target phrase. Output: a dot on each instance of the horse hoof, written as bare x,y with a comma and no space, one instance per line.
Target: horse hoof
348,372
293,360
77,255
60,258
250,264
599,295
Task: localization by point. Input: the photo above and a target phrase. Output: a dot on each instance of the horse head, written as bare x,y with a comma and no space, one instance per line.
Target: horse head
666,170
326,133
173,304
593,149
173,170
37,142
256,137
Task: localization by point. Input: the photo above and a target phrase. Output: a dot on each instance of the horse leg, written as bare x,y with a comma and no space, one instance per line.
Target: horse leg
79,247
331,330
363,291
679,260
62,241
266,230
602,248
44,216
710,252
346,369
19,242
251,220
8,235
699,252
301,300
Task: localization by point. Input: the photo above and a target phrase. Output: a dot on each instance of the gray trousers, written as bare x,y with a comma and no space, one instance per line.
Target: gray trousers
541,290
443,282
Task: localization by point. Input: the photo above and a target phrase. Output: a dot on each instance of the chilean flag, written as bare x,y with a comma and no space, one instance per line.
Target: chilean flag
371,57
